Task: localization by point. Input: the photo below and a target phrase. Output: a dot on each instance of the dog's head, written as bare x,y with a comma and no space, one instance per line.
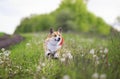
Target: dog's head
56,36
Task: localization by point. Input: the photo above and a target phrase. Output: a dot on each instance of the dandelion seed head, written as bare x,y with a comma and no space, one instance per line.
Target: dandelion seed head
95,76
94,56
82,55
15,72
103,76
1,62
7,59
63,55
97,62
97,58
27,44
69,56
92,51
43,77
105,50
101,51
27,70
38,68
16,67
109,64
103,56
62,59
66,77
42,64
10,69
9,64
6,53
3,49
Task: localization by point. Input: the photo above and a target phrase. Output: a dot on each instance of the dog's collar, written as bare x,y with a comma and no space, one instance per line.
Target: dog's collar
61,43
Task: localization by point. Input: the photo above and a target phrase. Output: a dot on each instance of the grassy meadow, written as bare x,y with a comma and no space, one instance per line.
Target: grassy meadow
82,57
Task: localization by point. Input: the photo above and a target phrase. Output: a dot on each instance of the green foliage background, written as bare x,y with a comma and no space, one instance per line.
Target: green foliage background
72,15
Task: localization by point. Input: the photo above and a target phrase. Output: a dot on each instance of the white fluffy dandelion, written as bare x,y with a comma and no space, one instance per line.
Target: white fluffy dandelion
101,51
3,49
92,51
103,56
1,62
97,62
62,59
69,55
66,77
43,77
94,56
6,53
27,44
43,64
82,55
103,76
95,76
38,68
64,55
105,50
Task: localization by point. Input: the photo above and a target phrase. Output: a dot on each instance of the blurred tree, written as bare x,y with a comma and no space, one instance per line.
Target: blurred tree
102,28
63,19
35,24
72,15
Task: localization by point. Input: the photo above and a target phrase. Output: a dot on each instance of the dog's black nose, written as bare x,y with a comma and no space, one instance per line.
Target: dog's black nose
58,39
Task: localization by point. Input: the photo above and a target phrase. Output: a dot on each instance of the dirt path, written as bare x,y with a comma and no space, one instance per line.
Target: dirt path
7,40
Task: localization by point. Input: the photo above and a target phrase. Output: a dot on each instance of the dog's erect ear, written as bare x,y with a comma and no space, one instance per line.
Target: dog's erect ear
51,30
60,30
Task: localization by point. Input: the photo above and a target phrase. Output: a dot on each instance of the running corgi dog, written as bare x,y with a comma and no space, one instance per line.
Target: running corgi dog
53,43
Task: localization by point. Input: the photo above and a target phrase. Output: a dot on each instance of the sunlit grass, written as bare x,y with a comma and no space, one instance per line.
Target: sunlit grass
81,58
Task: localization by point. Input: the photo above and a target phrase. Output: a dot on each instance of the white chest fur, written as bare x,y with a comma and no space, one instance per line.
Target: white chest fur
53,45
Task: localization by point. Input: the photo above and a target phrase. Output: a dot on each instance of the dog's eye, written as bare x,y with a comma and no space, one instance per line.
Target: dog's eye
55,35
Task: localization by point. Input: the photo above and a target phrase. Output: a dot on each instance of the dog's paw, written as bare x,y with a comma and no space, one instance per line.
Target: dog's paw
56,55
47,54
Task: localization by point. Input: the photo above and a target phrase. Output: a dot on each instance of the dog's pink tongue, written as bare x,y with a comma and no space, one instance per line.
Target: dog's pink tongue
61,42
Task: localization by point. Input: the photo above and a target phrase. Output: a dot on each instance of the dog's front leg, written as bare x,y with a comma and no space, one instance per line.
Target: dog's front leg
47,53
57,54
